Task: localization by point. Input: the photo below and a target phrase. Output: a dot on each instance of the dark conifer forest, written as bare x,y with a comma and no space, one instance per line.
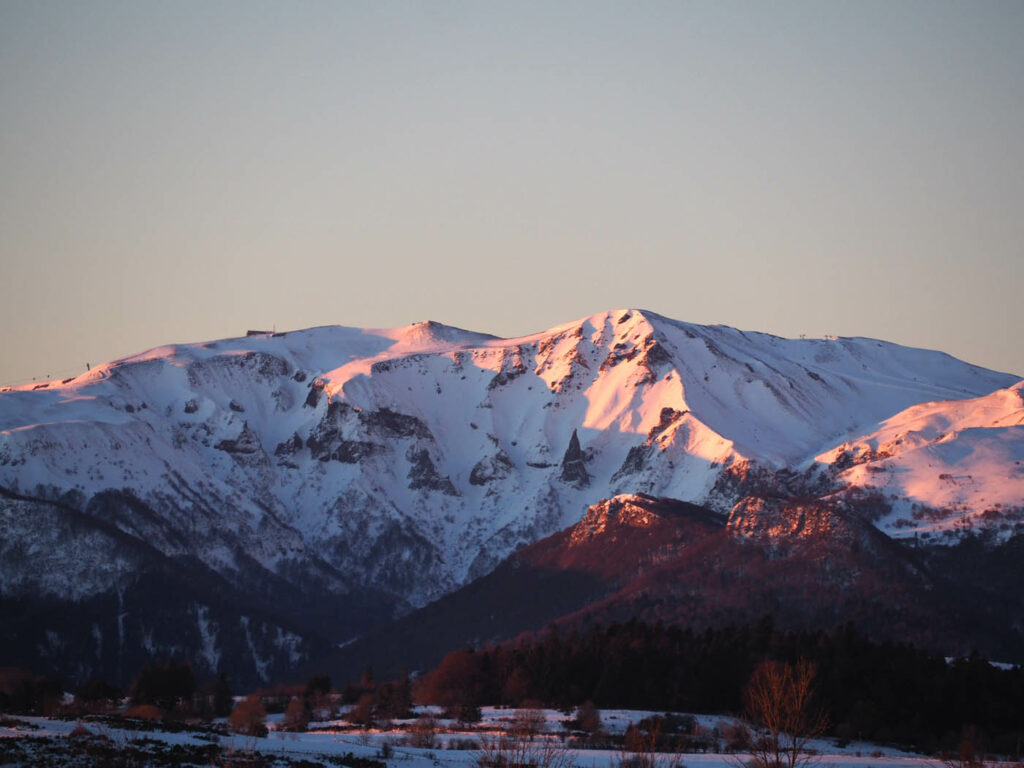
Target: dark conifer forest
885,692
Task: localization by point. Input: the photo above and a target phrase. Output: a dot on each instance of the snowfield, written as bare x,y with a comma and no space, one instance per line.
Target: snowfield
322,745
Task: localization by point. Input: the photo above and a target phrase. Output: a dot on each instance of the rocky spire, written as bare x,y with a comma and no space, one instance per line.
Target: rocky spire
574,470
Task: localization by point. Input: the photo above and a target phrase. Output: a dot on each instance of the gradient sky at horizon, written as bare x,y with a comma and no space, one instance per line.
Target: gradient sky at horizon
174,172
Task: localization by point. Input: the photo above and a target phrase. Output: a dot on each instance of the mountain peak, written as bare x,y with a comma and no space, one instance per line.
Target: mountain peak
430,333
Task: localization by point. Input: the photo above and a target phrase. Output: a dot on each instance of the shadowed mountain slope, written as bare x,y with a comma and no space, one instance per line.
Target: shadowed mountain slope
807,564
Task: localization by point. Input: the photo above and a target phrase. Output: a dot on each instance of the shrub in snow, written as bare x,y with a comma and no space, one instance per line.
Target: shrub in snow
249,717
296,716
144,712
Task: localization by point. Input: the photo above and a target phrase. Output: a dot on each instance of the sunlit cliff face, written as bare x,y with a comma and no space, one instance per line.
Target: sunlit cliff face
773,518
620,511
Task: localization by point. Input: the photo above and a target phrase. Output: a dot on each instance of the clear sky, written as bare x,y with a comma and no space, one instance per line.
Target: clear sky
183,171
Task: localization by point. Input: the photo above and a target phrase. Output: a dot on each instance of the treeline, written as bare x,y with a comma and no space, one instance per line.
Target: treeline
169,693
170,687
23,692
884,692
372,702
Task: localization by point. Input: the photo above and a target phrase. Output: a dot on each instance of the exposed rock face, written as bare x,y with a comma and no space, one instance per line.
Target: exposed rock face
289,447
636,461
639,457
776,522
393,424
316,388
603,518
496,467
423,474
246,443
574,469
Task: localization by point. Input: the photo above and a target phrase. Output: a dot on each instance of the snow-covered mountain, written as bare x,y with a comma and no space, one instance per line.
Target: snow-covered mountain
942,466
386,467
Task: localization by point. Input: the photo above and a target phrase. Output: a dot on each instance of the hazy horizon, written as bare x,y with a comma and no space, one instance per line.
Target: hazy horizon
184,172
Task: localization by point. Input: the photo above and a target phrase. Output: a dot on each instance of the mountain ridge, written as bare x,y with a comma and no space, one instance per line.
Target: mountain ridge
406,462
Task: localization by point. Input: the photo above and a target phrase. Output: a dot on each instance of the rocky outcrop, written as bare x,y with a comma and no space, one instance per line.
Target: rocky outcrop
495,467
574,469
393,424
603,518
775,519
247,443
423,474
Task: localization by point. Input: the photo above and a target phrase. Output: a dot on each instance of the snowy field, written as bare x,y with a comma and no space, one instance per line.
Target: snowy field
32,740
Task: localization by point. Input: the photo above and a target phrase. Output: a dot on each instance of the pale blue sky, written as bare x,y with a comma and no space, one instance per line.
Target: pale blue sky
181,171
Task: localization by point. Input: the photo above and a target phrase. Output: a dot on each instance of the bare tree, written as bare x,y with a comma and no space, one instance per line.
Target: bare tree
361,713
423,732
588,718
969,751
640,749
528,721
249,717
735,735
779,700
516,749
524,745
296,716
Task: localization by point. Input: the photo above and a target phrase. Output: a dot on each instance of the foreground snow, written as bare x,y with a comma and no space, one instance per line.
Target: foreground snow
323,743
